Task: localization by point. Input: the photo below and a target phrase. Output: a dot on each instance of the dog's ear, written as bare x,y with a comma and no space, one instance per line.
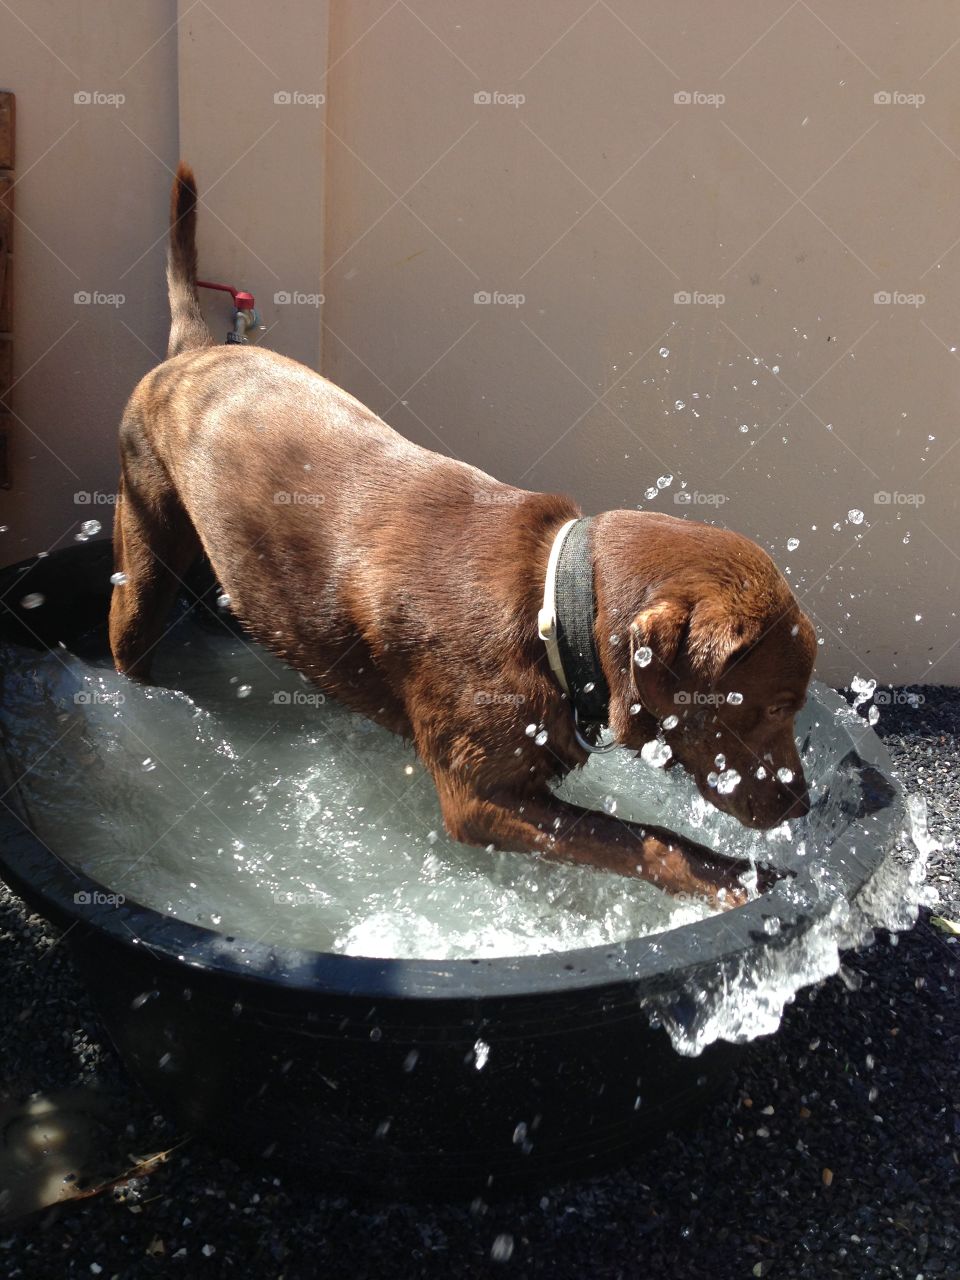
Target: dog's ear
719,633
657,637
703,640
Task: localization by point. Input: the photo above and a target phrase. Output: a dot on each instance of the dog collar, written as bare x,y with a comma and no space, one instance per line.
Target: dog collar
566,624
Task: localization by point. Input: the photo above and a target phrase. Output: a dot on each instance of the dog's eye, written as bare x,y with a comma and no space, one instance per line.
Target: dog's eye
780,709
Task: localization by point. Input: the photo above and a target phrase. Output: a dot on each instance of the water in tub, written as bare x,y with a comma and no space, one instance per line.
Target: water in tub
230,794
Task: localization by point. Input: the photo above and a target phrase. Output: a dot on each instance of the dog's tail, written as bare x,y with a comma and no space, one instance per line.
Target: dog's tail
188,329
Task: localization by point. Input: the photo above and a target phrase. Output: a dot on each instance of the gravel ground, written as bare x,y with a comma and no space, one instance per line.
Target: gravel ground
835,1153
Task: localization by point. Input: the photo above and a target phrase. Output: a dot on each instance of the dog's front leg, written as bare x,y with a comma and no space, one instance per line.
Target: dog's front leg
564,832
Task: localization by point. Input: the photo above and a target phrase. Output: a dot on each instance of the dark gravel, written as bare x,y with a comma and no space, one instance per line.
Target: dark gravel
859,1090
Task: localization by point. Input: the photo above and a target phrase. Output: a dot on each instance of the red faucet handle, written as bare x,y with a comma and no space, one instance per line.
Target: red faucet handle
241,300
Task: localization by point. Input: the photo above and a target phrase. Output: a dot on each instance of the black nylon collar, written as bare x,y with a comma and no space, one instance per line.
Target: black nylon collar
576,611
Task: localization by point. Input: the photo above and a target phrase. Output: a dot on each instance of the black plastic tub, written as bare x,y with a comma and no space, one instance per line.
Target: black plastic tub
405,1077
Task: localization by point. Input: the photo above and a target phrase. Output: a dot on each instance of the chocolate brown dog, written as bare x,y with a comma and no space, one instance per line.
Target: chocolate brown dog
411,587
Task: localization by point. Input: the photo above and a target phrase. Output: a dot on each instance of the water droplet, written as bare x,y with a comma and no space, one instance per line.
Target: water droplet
609,804
735,699
785,775
32,601
635,708
664,481
223,601
118,579
148,764
90,527
679,404
502,1248
589,687
671,722
644,656
728,781
530,730
410,1061
792,544
664,352
855,516
481,1053
541,738
656,753
244,690
761,772
651,493
864,689
720,761
873,715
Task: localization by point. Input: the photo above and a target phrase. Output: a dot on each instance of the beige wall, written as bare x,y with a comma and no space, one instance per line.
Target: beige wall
259,161
91,205
598,198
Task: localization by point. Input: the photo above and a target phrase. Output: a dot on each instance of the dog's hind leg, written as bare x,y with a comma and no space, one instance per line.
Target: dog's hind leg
154,546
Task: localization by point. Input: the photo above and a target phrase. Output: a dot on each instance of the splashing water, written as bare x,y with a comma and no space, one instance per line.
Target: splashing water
746,997
864,689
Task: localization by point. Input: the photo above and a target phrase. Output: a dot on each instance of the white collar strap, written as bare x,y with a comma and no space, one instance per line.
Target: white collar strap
547,617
